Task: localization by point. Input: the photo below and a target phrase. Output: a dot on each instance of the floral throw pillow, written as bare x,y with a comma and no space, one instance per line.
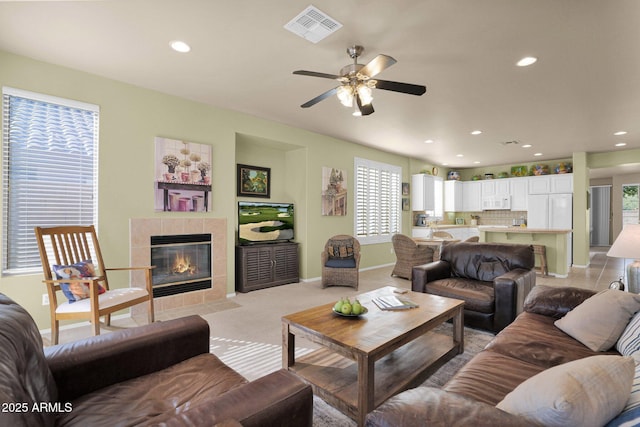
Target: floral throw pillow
340,250
76,291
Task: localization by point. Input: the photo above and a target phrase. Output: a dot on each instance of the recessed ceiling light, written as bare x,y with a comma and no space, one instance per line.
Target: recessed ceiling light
526,61
428,141
445,164
180,46
621,144
538,154
459,155
527,146
476,162
476,132
621,132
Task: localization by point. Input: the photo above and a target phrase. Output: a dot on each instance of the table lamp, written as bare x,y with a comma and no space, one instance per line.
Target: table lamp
627,245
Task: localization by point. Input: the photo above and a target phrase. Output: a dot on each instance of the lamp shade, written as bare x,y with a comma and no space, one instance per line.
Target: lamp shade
627,244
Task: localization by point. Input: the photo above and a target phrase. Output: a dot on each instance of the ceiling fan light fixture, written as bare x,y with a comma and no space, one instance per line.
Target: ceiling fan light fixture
365,94
345,95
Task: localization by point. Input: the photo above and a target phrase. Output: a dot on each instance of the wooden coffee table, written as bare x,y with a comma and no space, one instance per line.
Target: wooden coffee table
365,360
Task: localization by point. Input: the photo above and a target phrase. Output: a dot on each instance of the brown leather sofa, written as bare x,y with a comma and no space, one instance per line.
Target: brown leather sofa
493,279
530,345
158,374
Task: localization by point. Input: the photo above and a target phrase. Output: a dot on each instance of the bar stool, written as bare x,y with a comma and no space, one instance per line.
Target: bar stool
542,251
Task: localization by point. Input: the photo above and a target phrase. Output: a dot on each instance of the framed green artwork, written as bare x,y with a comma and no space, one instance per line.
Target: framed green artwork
254,181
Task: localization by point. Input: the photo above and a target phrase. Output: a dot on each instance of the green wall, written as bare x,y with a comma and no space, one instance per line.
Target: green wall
130,119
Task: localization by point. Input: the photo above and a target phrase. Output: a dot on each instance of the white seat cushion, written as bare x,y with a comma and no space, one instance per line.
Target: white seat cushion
106,300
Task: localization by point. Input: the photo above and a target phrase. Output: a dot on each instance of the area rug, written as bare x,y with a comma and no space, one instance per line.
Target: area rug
254,360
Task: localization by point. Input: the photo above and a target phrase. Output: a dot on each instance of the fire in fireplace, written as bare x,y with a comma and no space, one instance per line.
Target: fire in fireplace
183,263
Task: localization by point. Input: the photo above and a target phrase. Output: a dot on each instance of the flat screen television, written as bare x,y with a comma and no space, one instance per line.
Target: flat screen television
265,222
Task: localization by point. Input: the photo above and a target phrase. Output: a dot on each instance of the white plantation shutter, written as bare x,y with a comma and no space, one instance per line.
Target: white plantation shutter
49,163
377,201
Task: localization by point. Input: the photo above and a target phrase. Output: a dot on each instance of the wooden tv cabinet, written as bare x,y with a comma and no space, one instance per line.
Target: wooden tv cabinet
261,266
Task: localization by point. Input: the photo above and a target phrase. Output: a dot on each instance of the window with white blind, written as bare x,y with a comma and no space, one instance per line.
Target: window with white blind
49,171
378,211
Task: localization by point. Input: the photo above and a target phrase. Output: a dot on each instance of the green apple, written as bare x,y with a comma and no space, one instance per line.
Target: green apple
338,306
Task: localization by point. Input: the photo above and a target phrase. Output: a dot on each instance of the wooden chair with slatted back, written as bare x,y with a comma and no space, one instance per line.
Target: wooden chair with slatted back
69,245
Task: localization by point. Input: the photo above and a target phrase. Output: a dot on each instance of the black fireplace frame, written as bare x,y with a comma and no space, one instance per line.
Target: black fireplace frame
172,239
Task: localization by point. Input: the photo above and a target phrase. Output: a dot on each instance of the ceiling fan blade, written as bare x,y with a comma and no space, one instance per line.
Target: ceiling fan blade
320,97
401,87
316,74
365,110
377,64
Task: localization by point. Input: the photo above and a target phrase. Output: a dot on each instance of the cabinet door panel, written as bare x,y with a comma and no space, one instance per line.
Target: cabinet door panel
472,196
422,192
519,193
562,183
539,185
286,262
258,266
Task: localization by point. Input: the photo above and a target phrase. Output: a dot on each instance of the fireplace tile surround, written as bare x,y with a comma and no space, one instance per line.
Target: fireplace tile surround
140,232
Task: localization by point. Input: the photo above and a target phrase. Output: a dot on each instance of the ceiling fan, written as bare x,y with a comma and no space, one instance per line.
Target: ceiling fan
357,83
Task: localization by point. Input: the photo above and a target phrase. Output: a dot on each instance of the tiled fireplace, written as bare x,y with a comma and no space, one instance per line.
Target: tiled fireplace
197,280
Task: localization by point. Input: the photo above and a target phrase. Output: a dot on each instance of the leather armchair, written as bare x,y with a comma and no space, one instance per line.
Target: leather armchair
158,374
492,278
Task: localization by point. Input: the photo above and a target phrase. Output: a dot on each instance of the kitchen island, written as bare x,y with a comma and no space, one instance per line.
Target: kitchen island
557,243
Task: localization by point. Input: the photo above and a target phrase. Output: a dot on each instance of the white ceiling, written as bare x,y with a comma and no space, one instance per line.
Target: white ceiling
585,86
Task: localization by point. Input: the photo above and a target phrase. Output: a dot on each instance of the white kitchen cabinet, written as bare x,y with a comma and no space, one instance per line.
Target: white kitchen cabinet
427,194
461,233
495,187
548,184
453,198
562,183
539,184
471,196
519,190
422,192
422,232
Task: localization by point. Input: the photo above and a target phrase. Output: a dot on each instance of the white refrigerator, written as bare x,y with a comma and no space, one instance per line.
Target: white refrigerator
550,211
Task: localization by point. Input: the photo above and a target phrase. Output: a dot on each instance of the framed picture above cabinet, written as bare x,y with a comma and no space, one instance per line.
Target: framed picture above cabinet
254,181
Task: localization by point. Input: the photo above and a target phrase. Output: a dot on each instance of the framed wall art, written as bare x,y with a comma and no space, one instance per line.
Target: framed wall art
334,192
183,176
405,203
254,181
405,188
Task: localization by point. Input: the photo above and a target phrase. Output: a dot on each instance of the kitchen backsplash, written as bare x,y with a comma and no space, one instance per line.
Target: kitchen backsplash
486,217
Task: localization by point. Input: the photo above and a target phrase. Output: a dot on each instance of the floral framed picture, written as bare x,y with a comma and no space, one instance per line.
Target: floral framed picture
254,181
183,176
334,191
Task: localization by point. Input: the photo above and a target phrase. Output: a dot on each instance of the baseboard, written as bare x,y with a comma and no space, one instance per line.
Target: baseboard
375,267
82,324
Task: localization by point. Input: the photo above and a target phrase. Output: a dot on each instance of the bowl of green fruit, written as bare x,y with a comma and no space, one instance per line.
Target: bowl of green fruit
346,308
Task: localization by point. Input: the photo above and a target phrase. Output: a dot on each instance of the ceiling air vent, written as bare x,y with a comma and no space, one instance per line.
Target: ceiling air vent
313,25
508,143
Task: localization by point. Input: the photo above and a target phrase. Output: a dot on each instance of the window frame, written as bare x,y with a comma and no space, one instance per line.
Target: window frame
383,227
19,236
